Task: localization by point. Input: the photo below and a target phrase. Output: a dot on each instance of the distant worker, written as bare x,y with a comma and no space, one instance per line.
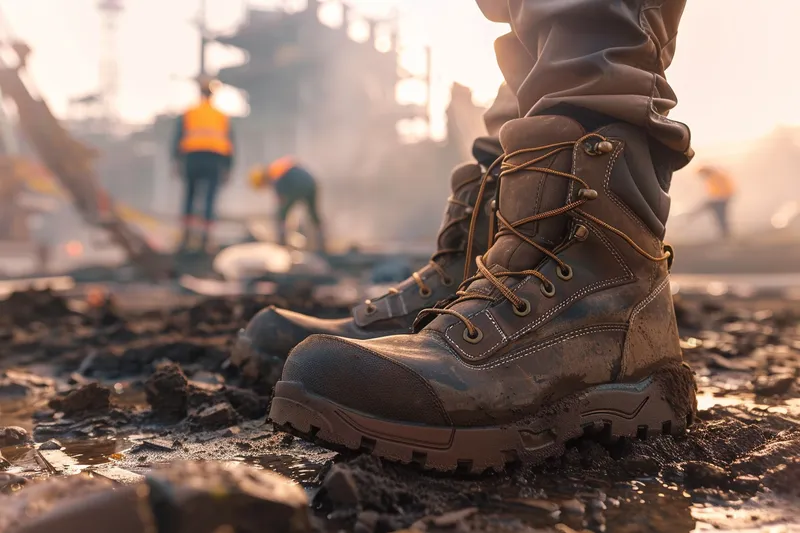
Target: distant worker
203,150
719,192
293,184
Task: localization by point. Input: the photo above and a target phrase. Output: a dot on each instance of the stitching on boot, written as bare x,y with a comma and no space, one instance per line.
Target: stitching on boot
543,345
623,369
615,198
644,303
586,290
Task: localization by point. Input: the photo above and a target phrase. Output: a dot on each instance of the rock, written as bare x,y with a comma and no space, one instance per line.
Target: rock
207,497
52,444
52,505
340,487
217,416
719,362
55,461
91,398
700,474
785,479
640,465
16,385
573,507
232,431
167,392
773,385
544,505
159,445
13,436
23,309
209,378
366,522
118,475
454,518
246,402
9,481
746,484
189,497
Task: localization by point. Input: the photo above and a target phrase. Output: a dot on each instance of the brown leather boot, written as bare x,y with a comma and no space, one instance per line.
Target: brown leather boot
567,328
263,345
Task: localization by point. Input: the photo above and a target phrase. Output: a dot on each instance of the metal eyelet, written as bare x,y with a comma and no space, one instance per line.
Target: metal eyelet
473,340
581,232
524,310
371,309
670,251
564,272
600,148
448,282
425,292
548,289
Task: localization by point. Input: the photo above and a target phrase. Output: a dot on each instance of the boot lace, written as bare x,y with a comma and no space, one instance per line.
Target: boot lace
522,306
435,262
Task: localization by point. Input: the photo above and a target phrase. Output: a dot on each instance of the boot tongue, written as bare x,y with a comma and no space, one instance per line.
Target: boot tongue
464,183
526,193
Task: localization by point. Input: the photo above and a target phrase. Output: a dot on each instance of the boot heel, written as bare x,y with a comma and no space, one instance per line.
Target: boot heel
663,403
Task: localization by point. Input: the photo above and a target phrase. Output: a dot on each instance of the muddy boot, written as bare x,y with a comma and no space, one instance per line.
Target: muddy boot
567,329
264,344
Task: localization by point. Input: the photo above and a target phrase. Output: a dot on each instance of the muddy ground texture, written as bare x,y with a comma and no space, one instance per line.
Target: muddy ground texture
105,415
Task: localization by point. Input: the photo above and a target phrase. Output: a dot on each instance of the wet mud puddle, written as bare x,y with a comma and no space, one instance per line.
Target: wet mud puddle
131,396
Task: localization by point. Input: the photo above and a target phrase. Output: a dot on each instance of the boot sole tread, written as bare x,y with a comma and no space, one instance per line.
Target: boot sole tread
605,413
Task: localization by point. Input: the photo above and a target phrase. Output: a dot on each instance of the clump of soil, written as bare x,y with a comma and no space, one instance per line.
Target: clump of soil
24,308
167,392
90,398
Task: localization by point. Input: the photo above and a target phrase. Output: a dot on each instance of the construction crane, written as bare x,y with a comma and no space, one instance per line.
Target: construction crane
70,161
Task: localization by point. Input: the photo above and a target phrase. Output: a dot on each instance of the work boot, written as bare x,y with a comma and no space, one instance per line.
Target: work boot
263,345
566,329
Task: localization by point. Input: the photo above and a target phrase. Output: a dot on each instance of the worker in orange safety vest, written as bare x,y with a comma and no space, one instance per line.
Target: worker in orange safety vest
719,192
203,150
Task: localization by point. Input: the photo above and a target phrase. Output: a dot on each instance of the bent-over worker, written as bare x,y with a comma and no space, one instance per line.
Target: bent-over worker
293,184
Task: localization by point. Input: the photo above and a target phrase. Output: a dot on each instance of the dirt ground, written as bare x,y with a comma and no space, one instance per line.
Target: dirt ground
90,389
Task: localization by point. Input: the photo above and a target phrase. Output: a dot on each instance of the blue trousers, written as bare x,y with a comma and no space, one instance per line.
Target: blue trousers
203,175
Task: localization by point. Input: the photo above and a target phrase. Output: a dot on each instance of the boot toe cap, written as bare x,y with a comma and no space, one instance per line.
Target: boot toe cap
276,331
356,375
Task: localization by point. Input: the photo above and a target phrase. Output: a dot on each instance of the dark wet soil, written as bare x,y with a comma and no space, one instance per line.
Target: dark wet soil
93,389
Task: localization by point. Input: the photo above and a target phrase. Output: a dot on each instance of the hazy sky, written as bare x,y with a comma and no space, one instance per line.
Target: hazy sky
736,71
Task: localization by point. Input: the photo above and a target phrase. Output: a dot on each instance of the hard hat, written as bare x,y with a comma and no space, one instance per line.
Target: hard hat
258,176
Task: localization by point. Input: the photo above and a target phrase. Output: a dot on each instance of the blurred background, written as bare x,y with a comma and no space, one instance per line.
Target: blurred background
379,99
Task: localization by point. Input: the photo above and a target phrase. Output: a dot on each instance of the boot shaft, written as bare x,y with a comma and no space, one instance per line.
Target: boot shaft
610,269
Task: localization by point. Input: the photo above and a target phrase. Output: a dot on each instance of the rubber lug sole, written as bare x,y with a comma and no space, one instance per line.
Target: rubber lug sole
605,412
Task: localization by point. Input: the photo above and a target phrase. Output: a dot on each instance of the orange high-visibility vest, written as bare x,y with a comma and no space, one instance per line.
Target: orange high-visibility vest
719,185
205,129
279,167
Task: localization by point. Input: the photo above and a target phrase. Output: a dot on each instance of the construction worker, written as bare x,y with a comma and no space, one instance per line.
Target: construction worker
719,191
293,184
203,155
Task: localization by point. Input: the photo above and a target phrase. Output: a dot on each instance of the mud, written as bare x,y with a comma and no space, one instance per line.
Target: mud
124,396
